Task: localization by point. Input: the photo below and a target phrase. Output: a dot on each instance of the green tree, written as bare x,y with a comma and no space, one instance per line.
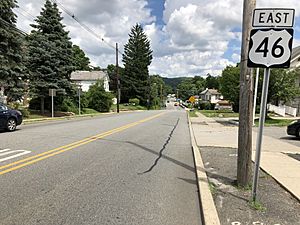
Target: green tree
212,82
282,87
111,71
50,54
230,85
98,98
200,83
187,88
157,91
80,60
11,53
136,58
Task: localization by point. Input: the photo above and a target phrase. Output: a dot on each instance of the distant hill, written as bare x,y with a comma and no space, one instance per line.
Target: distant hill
173,82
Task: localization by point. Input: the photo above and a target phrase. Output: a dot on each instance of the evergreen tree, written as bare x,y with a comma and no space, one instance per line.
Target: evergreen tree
136,58
50,54
80,60
11,53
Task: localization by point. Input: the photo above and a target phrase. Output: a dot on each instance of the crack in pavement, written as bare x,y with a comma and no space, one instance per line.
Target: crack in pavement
162,149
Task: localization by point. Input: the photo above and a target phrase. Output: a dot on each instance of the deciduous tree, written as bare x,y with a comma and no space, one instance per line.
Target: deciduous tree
230,85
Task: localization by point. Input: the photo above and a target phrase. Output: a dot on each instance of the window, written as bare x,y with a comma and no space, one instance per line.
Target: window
3,108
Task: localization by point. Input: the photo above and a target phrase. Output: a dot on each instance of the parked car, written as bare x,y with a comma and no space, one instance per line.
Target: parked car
294,128
9,118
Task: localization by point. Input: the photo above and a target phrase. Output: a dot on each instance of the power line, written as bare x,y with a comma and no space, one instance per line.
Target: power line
14,27
72,15
26,12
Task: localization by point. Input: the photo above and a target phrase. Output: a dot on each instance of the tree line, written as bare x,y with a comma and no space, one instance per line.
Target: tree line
282,87
46,57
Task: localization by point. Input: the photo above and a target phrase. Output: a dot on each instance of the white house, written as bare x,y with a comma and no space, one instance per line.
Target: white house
211,95
87,78
295,62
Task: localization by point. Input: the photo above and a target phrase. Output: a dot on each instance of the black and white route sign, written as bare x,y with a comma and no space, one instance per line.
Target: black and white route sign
276,18
270,48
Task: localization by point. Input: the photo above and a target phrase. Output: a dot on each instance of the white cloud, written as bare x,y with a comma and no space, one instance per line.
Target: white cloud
111,20
194,39
236,57
190,63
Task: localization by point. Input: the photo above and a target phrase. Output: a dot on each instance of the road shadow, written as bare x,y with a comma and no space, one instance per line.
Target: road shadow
290,138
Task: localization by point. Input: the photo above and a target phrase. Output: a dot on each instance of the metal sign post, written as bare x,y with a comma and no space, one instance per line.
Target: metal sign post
52,93
52,103
79,104
268,48
255,94
262,117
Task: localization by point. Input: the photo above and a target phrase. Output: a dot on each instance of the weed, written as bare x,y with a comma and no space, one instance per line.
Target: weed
212,188
257,206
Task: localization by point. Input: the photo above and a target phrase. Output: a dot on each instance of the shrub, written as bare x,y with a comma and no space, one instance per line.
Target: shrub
18,106
98,98
205,105
134,101
68,106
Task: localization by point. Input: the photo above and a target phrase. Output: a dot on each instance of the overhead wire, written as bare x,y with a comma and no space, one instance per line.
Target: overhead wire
84,26
14,27
26,12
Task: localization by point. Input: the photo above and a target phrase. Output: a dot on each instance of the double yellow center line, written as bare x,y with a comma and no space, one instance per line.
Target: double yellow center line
36,158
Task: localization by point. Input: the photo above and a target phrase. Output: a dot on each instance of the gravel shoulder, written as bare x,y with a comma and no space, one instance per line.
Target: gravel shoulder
275,205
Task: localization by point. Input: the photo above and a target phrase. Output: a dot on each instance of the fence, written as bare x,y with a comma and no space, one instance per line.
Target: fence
283,110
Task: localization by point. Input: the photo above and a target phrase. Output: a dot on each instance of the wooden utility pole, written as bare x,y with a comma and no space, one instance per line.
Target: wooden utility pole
117,77
244,163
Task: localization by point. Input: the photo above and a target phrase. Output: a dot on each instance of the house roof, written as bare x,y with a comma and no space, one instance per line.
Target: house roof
88,75
211,91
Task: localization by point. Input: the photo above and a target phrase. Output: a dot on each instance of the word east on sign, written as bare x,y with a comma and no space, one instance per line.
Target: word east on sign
273,18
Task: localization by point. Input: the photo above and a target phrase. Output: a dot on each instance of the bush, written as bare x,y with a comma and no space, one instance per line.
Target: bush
68,106
134,101
18,106
205,105
98,98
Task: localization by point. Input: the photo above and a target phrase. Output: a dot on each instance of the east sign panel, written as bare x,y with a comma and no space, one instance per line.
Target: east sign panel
271,47
273,18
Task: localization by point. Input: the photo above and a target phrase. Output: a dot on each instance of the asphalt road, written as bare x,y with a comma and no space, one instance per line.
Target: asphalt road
132,168
280,134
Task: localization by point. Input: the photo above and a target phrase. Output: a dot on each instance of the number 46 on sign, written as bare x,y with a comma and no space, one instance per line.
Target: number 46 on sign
270,48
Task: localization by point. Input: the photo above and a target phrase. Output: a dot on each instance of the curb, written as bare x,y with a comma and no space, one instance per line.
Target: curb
48,119
208,210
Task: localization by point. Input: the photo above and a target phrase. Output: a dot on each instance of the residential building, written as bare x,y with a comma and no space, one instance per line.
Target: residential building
87,78
295,62
211,95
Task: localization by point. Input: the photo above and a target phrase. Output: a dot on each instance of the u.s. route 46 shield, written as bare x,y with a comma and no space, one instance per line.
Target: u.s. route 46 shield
270,48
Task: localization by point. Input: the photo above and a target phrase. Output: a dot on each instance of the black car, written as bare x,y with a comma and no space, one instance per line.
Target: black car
9,118
294,128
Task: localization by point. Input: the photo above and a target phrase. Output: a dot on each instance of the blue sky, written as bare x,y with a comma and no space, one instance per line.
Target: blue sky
188,37
157,8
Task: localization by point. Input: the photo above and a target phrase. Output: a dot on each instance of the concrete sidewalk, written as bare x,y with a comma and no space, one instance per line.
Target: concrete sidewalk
274,161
